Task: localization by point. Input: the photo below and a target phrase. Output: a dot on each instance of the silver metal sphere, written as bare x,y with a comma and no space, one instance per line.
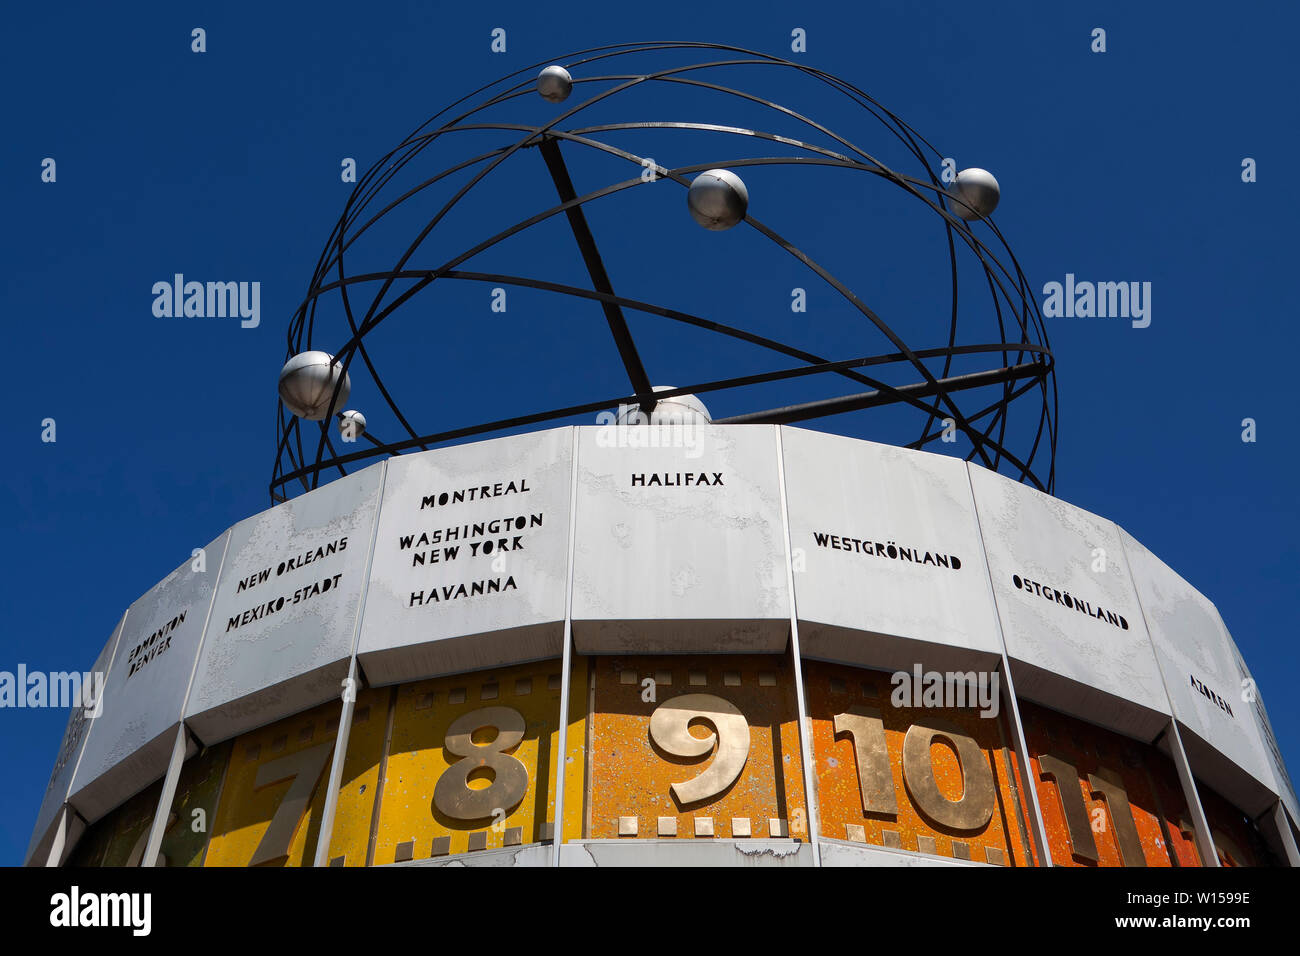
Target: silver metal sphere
977,191
352,424
555,84
306,383
718,199
678,410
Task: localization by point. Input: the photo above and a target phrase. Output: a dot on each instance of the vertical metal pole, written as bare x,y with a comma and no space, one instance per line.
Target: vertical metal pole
77,827
566,666
801,700
349,697
1021,747
159,826
1204,842
1029,784
55,856
74,826
336,767
165,799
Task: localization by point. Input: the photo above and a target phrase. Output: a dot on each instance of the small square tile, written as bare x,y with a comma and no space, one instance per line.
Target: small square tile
553,682
514,836
305,733
777,828
404,852
767,678
740,828
456,696
627,826
668,826
548,830
338,861
252,751
704,826
731,678
891,839
441,846
490,691
664,677
361,714
870,688
855,832
478,840
698,679
279,743
838,686
627,676
925,844
995,856
523,686
424,702
960,850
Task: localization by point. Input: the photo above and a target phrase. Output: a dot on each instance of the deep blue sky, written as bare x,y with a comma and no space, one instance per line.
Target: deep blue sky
225,166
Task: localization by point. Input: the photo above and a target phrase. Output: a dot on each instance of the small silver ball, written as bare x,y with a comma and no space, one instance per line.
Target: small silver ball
352,424
555,84
307,381
718,199
977,191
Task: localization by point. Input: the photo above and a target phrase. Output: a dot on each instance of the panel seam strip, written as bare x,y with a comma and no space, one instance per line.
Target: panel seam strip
1020,745
801,700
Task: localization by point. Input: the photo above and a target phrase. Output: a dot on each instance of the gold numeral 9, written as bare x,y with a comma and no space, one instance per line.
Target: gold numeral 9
669,729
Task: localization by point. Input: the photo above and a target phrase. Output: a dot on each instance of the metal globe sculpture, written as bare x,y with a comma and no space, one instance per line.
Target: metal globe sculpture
313,384
510,226
718,199
554,84
976,193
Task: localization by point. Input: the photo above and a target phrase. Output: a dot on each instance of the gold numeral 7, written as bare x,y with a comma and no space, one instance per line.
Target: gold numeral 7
305,767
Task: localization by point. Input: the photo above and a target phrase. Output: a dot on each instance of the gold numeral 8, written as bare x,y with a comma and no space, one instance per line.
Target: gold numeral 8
452,795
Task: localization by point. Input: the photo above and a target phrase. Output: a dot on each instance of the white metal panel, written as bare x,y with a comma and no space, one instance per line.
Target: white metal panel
1070,616
145,690
471,558
1202,679
887,555
283,620
679,524
80,723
